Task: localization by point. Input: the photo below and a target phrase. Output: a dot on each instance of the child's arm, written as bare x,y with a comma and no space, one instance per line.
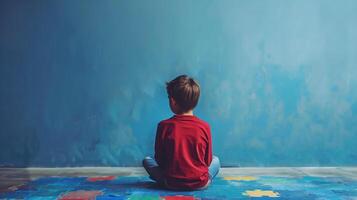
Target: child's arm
208,156
159,146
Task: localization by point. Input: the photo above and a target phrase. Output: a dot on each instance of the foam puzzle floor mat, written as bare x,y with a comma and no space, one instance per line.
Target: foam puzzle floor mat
223,187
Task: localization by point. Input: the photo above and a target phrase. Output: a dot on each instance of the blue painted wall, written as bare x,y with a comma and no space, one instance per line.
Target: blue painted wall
83,82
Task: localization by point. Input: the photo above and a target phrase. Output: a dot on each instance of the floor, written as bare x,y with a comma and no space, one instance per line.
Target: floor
133,183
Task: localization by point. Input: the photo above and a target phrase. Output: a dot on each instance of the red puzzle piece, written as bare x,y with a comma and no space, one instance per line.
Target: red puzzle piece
101,178
179,198
81,195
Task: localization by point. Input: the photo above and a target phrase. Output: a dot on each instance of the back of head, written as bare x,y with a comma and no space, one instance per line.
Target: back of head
185,91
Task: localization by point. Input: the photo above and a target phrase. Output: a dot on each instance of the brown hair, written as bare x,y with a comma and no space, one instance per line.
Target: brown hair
185,91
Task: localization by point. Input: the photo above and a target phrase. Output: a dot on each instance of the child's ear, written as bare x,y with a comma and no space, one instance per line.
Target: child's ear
173,101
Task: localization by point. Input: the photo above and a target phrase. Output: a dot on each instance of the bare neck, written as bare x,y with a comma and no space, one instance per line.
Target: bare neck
190,112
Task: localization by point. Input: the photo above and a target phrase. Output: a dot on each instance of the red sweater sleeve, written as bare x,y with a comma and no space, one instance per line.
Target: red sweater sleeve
208,156
159,147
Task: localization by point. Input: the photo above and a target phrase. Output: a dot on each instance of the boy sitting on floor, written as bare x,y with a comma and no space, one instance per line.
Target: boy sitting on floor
183,145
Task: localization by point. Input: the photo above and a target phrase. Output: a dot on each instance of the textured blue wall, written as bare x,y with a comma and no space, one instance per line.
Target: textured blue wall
82,82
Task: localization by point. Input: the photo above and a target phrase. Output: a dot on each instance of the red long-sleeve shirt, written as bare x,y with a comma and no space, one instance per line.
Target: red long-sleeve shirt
183,150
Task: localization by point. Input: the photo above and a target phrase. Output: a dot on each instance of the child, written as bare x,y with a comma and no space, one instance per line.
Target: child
183,145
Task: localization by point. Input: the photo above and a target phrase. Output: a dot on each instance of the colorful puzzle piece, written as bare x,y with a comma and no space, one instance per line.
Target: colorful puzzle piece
81,195
179,197
261,193
101,178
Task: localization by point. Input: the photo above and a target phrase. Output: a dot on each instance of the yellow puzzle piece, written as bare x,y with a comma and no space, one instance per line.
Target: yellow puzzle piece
261,193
